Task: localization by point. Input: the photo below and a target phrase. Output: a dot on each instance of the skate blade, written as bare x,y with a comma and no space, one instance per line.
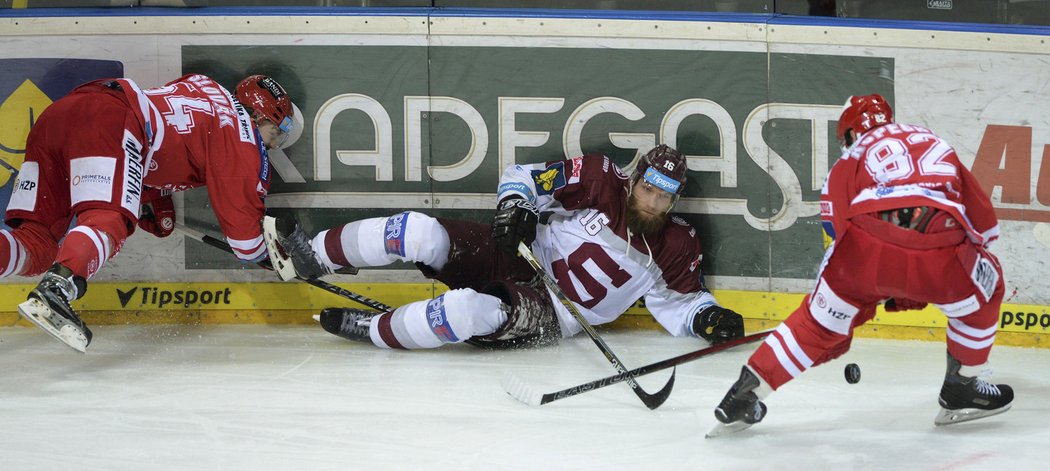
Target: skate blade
721,429
36,312
948,417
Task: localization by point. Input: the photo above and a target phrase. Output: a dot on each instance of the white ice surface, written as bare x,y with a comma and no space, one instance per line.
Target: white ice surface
294,397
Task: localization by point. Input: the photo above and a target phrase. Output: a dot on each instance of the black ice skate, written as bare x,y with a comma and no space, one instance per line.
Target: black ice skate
965,398
291,252
48,307
347,323
740,408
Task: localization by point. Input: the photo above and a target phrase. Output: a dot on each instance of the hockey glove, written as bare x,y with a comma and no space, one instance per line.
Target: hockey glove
157,213
717,324
901,304
515,221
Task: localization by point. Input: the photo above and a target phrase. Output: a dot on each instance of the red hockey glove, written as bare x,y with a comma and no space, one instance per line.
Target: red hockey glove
157,215
901,304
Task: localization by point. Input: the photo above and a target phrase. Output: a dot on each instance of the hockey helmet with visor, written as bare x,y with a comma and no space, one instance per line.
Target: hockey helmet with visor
267,100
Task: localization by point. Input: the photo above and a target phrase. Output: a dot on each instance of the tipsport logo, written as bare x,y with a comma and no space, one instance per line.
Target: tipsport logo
151,296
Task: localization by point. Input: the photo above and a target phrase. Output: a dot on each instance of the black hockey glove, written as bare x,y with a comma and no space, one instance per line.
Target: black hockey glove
515,221
717,324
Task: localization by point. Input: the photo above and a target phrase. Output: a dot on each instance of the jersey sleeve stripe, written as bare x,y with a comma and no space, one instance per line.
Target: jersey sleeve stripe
249,250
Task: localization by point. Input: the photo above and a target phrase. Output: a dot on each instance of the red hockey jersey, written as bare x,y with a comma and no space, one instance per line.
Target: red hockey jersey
201,136
900,166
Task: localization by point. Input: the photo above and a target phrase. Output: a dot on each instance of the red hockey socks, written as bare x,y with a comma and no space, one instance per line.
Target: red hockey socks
12,255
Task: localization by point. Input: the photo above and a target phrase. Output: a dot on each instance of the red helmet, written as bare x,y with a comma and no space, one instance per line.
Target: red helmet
862,114
267,100
662,167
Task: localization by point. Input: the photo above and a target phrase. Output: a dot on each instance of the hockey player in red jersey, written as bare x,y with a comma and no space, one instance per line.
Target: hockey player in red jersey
110,152
911,226
608,241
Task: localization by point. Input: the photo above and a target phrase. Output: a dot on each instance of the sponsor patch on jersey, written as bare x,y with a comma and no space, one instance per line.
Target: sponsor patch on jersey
91,179
577,167
264,163
438,319
696,263
549,179
394,234
244,124
827,209
134,174
26,185
985,277
883,191
830,310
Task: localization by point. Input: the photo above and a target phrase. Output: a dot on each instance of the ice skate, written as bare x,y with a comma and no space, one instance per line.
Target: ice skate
964,398
740,408
48,307
347,323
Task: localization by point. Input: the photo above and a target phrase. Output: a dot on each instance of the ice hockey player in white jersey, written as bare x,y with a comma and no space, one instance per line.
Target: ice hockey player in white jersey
607,239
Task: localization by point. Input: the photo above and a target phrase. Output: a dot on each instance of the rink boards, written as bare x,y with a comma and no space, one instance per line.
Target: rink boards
421,109
295,303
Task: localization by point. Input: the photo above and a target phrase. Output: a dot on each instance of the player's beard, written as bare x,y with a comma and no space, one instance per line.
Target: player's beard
642,223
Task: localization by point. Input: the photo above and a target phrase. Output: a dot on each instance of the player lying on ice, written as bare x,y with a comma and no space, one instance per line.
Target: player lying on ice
609,240
107,151
911,226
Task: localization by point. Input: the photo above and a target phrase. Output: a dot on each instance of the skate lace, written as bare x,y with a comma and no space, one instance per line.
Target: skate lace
356,324
984,386
63,286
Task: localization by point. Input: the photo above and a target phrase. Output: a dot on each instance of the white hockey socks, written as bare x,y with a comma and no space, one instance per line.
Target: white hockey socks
408,236
450,318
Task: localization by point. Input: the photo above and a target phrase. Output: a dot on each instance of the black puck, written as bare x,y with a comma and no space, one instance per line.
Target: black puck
852,373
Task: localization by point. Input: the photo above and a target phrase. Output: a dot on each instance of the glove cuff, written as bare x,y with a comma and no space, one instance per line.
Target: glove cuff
517,201
694,322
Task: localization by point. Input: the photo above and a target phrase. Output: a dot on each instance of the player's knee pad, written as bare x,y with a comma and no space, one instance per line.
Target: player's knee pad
407,236
450,318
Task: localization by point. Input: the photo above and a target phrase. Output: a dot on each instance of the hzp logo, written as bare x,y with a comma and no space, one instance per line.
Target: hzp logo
25,185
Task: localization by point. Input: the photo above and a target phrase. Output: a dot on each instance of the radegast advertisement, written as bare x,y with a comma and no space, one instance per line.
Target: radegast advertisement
399,127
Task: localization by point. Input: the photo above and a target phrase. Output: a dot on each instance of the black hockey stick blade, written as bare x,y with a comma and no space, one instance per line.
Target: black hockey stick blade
519,390
652,401
336,290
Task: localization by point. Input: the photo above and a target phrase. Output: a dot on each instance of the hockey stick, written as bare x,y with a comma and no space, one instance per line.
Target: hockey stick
222,245
652,401
521,391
